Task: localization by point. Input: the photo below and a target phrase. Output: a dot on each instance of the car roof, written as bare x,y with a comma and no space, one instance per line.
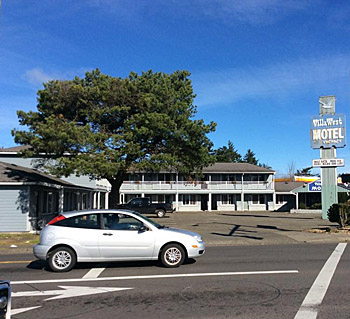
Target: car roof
96,211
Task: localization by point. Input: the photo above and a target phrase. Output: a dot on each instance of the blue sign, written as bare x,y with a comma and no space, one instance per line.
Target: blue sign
315,186
328,131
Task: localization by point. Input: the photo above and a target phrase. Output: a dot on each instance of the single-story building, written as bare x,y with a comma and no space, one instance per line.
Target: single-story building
29,198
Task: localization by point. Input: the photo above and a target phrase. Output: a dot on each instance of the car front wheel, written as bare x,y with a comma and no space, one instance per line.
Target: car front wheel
172,255
62,259
160,213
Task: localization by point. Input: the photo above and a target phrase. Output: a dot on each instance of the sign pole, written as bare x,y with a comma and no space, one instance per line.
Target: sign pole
328,174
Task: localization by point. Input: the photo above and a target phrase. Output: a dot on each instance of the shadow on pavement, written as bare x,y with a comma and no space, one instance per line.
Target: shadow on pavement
232,233
264,216
43,265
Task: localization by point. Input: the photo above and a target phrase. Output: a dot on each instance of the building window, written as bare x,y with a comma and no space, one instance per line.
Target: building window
189,199
227,199
281,199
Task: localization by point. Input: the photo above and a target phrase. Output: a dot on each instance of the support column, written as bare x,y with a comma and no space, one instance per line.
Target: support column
297,201
98,200
242,193
94,201
329,182
61,200
106,200
177,192
209,201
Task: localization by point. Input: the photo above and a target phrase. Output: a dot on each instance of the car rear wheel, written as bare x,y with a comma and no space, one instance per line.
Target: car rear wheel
172,255
160,213
62,259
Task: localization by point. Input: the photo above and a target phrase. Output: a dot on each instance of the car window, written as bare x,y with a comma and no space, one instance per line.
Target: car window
90,221
136,201
115,221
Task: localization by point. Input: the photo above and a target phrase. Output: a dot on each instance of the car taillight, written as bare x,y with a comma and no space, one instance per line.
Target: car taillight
56,219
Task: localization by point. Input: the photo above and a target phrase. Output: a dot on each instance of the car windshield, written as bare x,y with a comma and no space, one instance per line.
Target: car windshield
149,220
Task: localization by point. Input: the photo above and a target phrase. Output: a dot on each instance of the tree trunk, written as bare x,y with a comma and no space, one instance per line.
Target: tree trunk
114,195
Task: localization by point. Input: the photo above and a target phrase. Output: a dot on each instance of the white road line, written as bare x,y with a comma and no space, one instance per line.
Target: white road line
310,306
20,310
156,276
93,273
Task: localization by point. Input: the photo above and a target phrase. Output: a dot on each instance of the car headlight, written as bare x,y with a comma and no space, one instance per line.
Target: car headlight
198,238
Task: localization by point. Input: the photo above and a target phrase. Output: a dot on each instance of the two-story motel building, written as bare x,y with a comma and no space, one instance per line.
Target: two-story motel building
224,186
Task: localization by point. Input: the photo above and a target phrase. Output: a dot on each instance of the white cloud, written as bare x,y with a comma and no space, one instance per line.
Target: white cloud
37,76
229,86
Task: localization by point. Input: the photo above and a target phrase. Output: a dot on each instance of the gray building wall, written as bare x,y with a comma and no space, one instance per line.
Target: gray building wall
83,181
13,208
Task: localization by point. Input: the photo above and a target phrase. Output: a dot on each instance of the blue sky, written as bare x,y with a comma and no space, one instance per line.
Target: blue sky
258,66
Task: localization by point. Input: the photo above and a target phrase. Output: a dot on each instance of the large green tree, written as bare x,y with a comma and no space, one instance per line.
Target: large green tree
227,154
250,158
104,126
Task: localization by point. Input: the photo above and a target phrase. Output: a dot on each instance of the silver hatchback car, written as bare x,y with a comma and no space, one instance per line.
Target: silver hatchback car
113,235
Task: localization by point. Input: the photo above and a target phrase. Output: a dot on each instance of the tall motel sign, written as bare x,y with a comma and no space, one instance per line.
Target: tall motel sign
327,133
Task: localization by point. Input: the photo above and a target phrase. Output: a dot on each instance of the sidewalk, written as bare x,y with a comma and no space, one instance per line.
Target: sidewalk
256,228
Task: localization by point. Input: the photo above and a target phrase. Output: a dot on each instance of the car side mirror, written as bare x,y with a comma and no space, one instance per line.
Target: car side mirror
142,228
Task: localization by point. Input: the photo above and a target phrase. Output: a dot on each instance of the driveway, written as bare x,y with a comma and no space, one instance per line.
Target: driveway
256,228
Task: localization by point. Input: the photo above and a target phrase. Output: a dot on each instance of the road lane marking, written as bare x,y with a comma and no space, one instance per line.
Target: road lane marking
20,310
310,306
93,273
67,292
16,262
273,272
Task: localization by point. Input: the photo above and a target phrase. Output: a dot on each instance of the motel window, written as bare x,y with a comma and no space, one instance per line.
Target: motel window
255,198
227,199
281,199
189,199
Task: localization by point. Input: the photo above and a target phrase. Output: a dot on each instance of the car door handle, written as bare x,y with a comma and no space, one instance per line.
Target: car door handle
107,234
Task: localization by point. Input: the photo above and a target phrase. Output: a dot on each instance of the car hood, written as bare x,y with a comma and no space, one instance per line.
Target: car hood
181,231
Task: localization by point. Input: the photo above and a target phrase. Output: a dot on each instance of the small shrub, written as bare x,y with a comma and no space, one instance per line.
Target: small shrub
339,213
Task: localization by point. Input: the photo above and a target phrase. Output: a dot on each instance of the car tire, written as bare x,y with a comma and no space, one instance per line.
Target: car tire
62,259
172,256
160,213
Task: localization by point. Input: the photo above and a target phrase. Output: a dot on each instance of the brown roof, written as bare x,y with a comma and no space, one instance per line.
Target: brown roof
235,168
284,187
10,173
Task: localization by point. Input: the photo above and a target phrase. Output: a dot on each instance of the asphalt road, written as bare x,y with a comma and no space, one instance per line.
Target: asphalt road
227,282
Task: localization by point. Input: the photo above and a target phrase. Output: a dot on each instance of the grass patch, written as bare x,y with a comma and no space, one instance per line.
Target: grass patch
18,239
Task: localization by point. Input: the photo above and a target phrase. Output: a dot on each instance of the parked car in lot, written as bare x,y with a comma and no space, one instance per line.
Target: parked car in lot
144,205
113,235
5,300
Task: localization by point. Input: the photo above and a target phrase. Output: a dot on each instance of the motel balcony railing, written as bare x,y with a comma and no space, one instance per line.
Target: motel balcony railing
201,185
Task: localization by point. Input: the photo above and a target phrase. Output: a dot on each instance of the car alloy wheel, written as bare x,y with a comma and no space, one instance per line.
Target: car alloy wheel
173,255
62,259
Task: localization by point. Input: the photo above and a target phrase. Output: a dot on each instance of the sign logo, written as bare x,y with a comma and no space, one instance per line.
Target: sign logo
328,131
315,186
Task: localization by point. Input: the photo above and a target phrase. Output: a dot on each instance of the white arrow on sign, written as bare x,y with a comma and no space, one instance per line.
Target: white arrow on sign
68,292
